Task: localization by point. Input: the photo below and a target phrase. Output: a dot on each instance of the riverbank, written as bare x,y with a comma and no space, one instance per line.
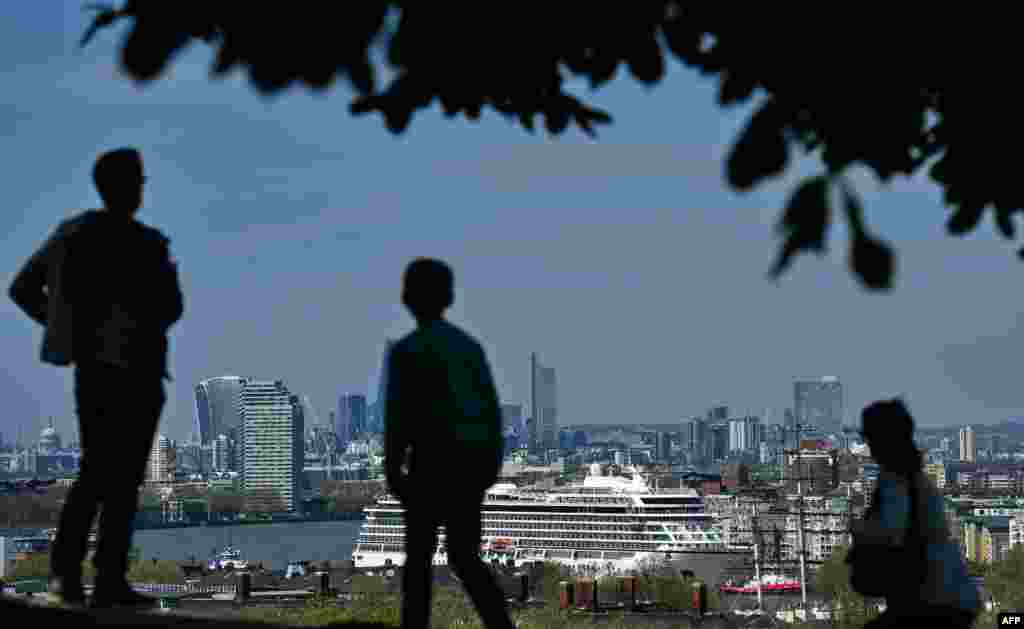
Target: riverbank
275,544
145,521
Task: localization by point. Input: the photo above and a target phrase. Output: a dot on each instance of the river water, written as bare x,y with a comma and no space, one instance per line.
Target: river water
273,544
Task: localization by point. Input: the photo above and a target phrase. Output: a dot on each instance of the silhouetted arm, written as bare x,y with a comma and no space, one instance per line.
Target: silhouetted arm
28,290
176,302
396,429
168,300
492,409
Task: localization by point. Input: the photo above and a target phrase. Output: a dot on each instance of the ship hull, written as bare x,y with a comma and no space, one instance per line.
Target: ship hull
712,567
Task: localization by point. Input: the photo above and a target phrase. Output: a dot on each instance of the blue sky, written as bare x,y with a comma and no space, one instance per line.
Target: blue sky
626,263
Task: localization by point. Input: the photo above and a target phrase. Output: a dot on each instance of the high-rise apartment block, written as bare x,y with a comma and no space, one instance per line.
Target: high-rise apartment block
818,404
272,445
162,462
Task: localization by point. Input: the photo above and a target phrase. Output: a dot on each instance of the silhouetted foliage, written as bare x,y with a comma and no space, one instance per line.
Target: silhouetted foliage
33,509
857,90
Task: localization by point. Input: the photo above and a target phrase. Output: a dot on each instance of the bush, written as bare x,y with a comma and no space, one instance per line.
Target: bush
148,571
38,565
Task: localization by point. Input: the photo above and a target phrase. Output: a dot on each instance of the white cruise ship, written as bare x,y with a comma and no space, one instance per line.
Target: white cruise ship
608,524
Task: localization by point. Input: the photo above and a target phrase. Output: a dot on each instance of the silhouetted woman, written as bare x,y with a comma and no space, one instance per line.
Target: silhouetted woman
935,587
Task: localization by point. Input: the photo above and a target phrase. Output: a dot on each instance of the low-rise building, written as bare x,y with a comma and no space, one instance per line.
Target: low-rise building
811,471
995,539
1016,531
937,473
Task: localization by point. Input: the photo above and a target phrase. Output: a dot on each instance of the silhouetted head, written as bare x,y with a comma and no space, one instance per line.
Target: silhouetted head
119,179
888,429
428,289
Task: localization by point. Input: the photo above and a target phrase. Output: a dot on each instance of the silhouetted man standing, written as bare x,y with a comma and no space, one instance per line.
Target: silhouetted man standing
443,446
106,290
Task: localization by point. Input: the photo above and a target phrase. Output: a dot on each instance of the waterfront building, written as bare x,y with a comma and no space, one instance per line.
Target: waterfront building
272,445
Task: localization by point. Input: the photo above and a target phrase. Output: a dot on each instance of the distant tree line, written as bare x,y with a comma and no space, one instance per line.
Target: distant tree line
32,510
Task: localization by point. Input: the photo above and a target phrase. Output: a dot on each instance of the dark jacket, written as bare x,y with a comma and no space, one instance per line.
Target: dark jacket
105,288
441,402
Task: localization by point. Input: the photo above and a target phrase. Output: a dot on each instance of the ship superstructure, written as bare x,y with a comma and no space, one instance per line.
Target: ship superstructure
606,523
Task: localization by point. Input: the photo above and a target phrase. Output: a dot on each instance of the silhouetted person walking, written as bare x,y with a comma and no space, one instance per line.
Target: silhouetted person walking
106,290
443,446
903,549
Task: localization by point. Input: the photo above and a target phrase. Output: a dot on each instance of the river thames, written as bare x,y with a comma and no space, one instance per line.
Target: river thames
273,544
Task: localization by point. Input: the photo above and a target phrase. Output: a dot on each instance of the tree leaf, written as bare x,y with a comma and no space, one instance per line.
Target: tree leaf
735,89
761,150
397,118
965,219
362,76
873,262
785,259
226,59
105,16
645,62
804,223
1004,221
526,120
449,107
603,68
838,154
940,170
149,48
682,39
556,119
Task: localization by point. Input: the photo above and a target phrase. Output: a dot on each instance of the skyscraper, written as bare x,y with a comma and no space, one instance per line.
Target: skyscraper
968,448
376,417
351,418
272,445
544,406
221,454
819,403
718,414
719,434
738,436
663,446
790,435
216,410
162,461
754,432
201,421
695,440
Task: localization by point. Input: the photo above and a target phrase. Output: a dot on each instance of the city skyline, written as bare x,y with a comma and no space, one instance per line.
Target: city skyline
625,262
